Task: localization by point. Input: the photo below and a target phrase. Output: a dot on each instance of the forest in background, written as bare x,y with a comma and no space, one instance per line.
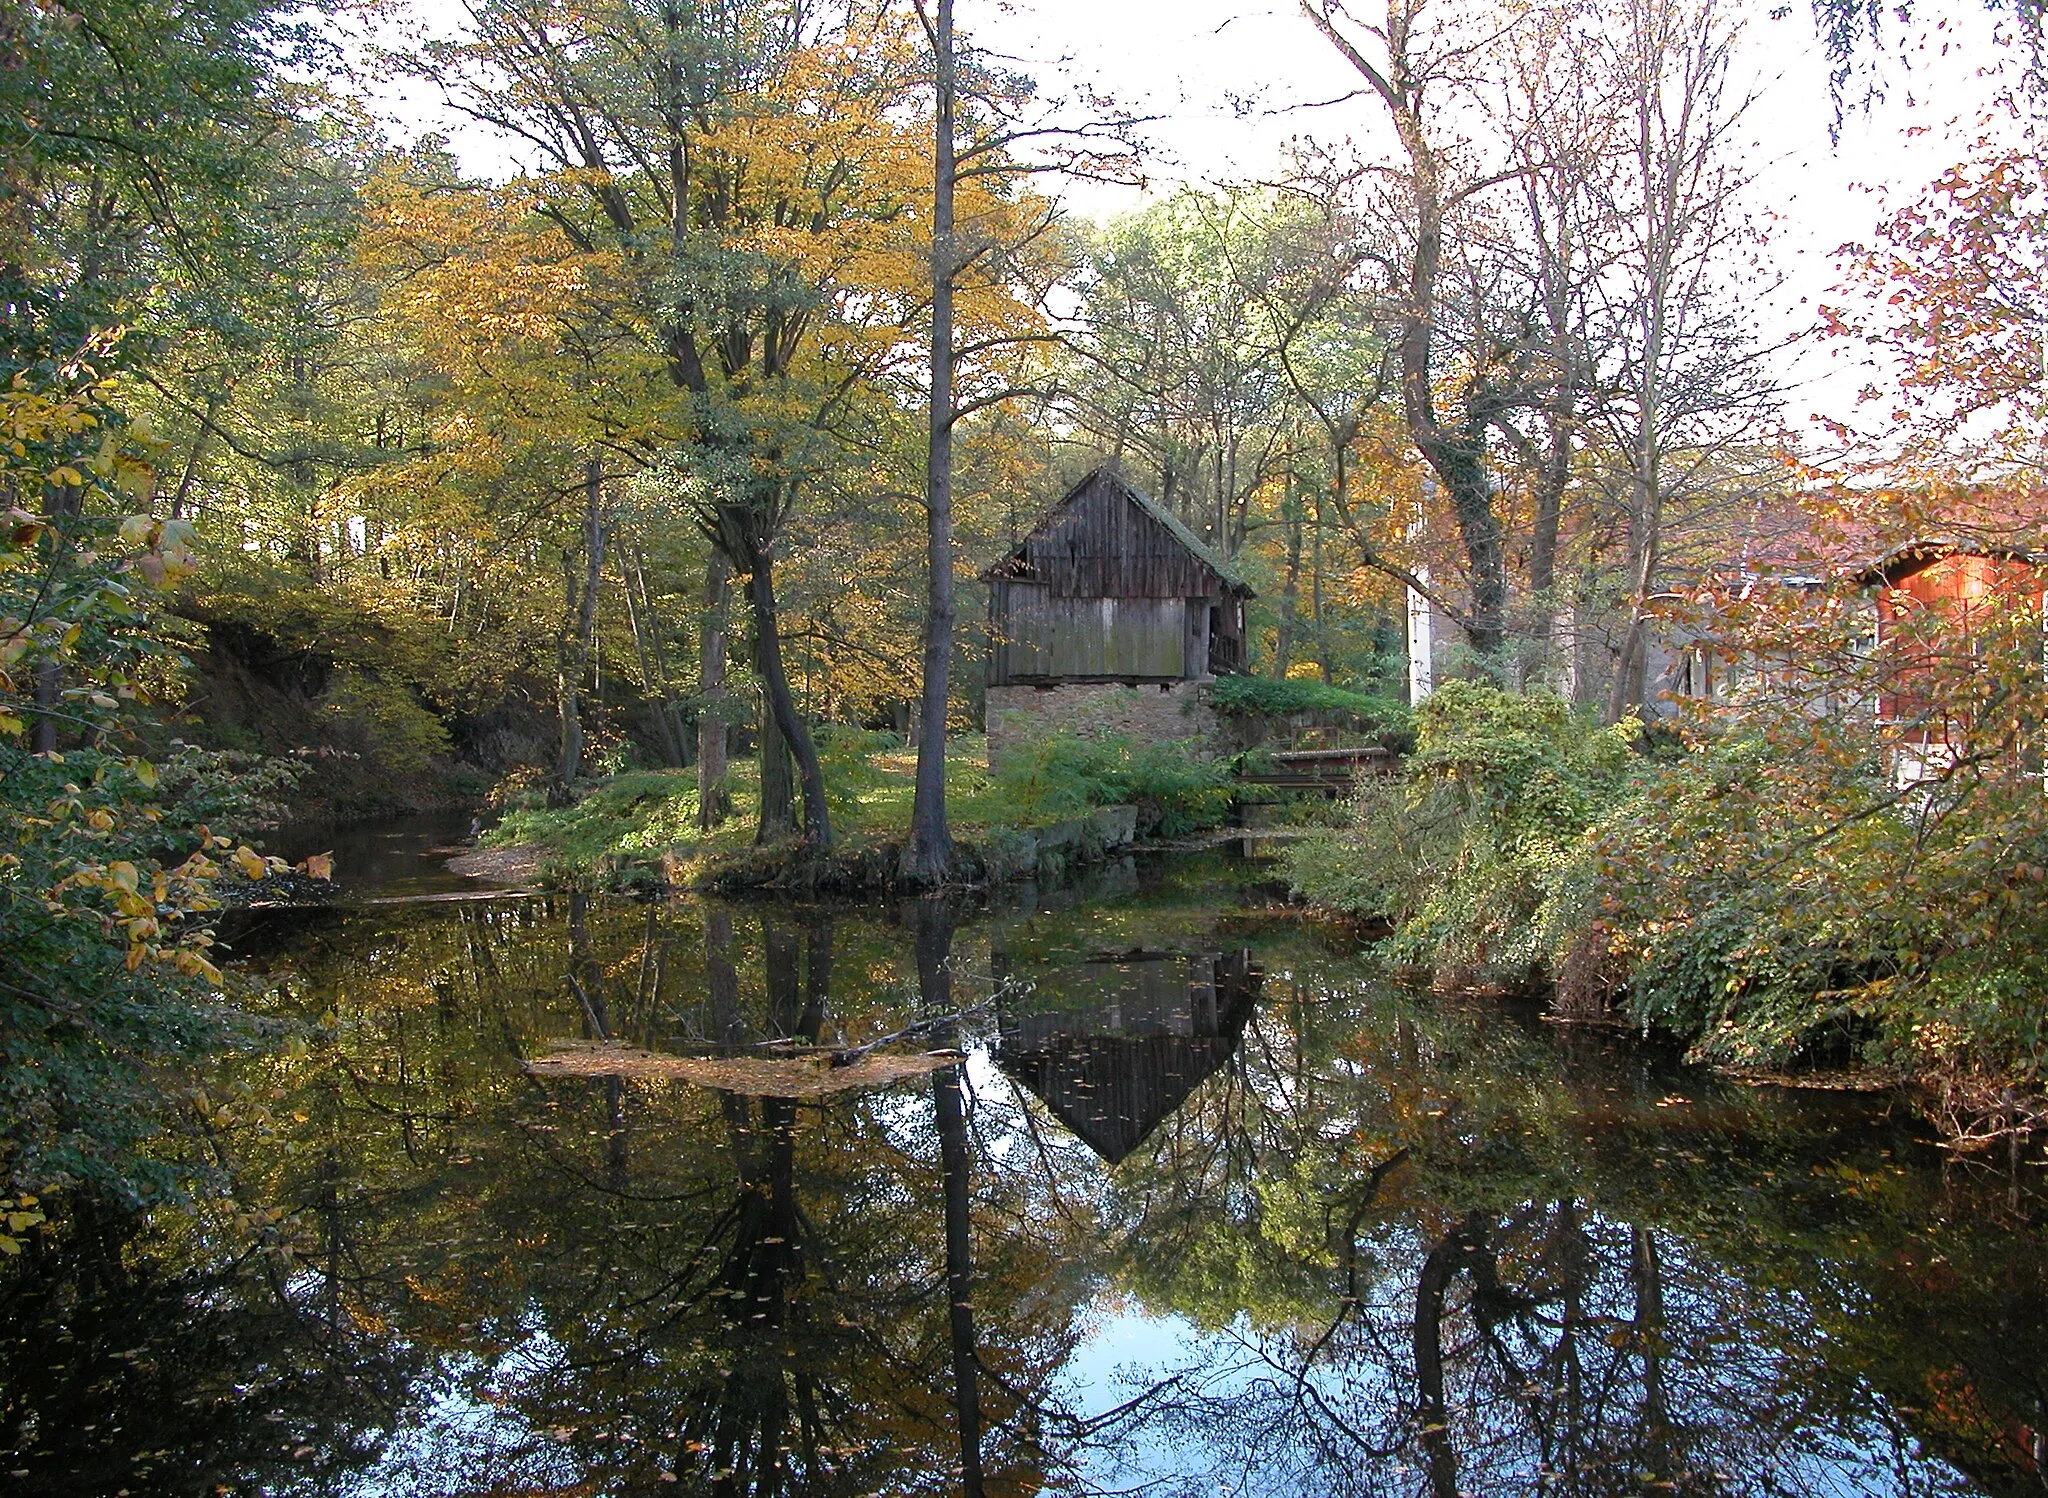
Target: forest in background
339,477
472,468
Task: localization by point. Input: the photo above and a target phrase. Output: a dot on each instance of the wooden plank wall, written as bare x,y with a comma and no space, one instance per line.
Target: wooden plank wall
1041,635
1103,546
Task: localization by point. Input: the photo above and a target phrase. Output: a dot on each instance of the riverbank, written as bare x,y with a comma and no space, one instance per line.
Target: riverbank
1071,807
1775,905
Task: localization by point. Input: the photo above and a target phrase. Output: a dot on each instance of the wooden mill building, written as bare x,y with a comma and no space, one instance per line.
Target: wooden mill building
1104,619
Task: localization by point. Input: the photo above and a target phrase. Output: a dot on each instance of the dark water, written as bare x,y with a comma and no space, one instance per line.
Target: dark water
1211,1206
393,858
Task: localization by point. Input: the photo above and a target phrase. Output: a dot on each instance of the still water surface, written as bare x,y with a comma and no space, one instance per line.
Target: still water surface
1210,1206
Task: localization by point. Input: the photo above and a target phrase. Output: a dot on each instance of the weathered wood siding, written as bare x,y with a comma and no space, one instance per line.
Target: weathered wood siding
1100,545
1042,636
1109,587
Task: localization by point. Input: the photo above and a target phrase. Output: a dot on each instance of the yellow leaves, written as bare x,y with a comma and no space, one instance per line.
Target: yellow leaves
38,424
193,965
18,1214
145,905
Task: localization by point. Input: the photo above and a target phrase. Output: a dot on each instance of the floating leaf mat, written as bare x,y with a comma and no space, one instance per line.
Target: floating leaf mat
802,1077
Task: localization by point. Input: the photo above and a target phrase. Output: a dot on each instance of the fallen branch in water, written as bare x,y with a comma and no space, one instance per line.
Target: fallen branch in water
847,1055
816,1075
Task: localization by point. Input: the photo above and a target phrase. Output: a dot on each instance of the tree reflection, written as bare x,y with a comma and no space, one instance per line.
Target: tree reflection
120,1373
1376,1242
932,921
1456,1333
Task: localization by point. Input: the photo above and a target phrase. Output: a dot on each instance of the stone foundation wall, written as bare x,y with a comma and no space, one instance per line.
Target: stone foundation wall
1151,712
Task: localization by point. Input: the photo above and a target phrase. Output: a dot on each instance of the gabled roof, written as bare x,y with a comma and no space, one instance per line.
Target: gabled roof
1174,525
1902,562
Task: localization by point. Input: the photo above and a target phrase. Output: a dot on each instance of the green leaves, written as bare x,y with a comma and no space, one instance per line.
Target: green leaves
1483,856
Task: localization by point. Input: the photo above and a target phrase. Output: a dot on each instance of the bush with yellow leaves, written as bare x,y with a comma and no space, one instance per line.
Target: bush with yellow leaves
108,987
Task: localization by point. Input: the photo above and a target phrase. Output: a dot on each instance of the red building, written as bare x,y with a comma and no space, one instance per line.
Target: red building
1942,604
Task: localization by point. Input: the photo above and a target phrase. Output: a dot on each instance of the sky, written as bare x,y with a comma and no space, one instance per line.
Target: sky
1233,81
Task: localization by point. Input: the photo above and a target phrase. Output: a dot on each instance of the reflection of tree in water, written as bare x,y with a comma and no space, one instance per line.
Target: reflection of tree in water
1423,1250
787,1333
121,1374
1423,1270
751,1294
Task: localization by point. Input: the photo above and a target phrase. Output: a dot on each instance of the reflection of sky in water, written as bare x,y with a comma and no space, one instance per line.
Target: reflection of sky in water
455,1438
1135,1376
1807,1350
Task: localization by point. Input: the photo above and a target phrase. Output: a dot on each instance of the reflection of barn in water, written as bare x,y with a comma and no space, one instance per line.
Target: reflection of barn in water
1124,1040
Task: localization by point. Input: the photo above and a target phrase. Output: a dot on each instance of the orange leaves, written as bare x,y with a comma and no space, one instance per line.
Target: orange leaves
1954,291
480,272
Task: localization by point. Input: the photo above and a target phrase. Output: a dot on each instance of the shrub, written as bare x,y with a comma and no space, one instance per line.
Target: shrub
639,811
109,998
847,757
385,721
1481,855
1063,776
1264,697
1778,899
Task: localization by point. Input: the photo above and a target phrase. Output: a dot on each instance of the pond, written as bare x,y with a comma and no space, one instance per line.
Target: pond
1208,1203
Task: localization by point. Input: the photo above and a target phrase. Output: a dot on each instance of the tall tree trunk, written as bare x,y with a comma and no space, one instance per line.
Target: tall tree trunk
1290,587
568,684
1316,619
1552,478
656,688
776,817
658,647
1645,511
182,495
714,797
573,656
1454,451
62,503
928,857
775,684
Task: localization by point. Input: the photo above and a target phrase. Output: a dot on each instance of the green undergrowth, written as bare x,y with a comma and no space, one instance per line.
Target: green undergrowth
639,827
1755,886
1176,791
1480,857
1267,697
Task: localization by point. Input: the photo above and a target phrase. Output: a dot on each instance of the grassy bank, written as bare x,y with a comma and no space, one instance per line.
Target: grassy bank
1043,813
